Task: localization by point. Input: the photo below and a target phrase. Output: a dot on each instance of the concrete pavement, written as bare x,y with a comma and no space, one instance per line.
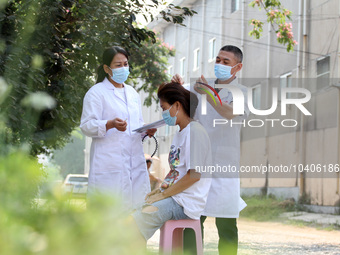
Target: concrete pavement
319,218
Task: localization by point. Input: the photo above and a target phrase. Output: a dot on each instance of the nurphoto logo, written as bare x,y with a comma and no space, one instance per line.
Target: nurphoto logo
303,96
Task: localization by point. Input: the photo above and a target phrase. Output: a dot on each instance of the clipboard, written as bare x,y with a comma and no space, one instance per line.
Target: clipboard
156,124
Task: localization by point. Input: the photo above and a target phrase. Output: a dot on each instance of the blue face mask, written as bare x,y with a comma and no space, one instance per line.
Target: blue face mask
169,120
223,72
120,74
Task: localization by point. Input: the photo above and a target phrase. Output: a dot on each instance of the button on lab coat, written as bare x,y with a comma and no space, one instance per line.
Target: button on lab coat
224,199
117,162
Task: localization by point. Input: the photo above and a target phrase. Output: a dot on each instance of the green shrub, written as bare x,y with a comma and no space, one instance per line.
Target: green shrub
262,208
55,225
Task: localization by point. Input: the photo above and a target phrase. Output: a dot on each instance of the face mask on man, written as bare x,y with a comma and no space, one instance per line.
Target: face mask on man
169,120
223,72
120,74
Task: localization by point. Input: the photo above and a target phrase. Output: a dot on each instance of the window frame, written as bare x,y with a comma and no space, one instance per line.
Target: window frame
257,86
319,60
235,5
212,50
196,59
285,76
170,70
182,66
322,75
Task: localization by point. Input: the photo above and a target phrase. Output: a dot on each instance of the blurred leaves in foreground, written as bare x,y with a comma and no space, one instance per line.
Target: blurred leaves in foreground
55,224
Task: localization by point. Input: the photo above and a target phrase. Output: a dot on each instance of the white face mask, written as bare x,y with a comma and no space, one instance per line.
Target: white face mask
169,120
223,72
120,74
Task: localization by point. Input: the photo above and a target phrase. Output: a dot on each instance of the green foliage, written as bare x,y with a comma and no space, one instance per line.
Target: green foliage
277,16
257,30
54,225
19,179
151,58
54,46
171,16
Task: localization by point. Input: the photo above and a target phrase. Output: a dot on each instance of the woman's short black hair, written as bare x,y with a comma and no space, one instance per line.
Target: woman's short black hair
172,92
108,55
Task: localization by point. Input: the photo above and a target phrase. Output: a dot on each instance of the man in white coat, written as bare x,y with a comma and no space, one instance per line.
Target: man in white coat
224,201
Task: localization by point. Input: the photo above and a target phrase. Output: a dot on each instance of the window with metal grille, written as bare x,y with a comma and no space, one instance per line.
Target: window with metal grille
235,5
323,72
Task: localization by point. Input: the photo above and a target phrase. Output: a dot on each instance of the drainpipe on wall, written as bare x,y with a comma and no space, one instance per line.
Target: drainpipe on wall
338,173
338,86
188,48
338,181
302,119
298,77
176,55
222,22
202,50
268,74
242,31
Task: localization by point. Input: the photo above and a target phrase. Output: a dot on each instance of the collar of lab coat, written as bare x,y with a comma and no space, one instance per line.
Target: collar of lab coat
109,85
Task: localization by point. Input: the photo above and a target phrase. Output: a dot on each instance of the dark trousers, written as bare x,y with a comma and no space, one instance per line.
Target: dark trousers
227,232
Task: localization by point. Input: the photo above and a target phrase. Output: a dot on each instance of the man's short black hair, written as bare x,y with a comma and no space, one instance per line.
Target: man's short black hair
237,52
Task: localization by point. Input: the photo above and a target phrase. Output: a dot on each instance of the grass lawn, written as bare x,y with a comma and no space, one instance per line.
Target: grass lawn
266,208
261,208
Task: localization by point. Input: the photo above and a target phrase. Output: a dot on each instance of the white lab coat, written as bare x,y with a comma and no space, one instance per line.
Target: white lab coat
224,199
117,162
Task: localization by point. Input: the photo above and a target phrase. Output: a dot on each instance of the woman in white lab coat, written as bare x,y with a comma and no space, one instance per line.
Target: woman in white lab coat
111,111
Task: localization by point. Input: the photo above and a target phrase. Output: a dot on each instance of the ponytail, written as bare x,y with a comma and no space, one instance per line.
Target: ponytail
101,73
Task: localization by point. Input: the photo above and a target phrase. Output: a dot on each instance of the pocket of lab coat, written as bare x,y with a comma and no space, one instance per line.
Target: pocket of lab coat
109,183
108,154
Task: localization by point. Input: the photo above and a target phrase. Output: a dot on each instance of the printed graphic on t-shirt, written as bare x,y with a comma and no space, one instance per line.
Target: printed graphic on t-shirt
174,157
228,99
173,162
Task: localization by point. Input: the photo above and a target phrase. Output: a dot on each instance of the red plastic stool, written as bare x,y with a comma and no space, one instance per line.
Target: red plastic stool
171,236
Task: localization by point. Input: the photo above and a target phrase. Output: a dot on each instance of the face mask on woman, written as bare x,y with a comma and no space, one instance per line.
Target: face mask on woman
169,120
120,74
223,72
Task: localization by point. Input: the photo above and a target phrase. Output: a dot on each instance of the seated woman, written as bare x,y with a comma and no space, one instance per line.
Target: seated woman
183,192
